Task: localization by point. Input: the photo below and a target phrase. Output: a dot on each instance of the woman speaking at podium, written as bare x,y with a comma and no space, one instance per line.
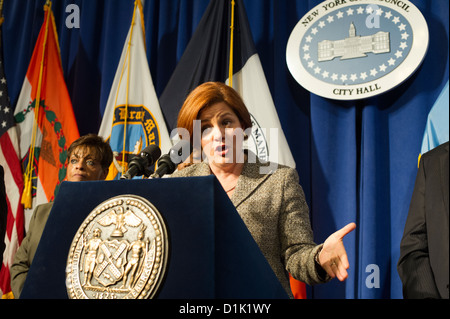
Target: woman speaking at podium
270,202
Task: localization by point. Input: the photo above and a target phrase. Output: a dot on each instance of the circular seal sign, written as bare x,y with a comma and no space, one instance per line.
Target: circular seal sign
119,252
348,50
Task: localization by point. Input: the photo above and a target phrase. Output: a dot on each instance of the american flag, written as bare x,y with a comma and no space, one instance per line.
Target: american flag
13,230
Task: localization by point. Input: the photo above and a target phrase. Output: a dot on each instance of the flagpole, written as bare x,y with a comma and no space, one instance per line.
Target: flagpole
128,87
1,12
28,176
128,54
230,67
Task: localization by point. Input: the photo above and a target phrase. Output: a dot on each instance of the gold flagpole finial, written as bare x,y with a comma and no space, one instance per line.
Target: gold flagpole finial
47,5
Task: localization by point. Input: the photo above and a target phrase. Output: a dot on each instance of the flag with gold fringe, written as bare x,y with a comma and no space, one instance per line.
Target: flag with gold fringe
133,119
45,118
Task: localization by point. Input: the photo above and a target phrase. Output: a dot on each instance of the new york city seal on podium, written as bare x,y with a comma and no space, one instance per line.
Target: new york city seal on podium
119,252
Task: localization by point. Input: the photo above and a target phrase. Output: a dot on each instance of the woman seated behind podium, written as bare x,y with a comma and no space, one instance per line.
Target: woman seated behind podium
89,158
271,203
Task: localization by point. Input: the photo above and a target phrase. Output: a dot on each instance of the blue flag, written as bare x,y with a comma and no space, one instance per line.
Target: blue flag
436,131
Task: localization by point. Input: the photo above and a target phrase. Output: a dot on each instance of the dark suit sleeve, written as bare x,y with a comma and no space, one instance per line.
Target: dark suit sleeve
414,264
22,262
25,253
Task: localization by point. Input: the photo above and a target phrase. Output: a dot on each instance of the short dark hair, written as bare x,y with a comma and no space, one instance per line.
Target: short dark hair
93,140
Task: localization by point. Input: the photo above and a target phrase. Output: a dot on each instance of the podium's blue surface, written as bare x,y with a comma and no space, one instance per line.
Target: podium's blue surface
212,254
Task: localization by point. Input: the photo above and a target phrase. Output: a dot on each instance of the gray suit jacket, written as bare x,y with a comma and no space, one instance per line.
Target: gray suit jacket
274,209
25,254
424,250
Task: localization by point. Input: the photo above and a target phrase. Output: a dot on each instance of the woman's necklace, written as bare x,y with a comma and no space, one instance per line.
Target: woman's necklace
235,179
227,191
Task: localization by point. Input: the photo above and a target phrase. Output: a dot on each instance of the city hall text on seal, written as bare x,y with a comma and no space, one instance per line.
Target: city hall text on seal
355,49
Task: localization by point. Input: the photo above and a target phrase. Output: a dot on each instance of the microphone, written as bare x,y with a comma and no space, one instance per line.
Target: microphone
139,164
168,162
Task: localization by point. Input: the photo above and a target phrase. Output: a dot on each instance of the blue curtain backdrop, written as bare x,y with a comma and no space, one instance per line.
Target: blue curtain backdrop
357,160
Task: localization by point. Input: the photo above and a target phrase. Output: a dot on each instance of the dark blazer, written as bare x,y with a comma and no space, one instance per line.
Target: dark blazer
274,209
424,250
25,254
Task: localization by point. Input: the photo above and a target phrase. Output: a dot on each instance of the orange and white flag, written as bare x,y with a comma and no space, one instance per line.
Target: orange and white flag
45,119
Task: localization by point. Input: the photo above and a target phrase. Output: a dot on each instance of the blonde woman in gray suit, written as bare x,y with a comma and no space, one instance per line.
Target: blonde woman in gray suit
270,202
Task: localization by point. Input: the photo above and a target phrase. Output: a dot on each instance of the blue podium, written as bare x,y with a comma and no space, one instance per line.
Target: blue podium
211,252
